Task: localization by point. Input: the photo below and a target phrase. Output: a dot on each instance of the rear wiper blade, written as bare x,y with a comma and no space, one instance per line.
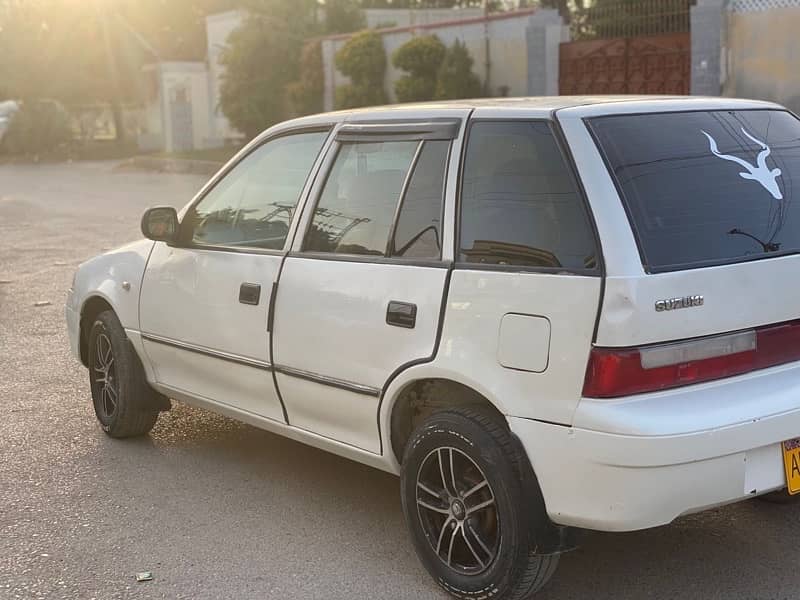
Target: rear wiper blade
767,246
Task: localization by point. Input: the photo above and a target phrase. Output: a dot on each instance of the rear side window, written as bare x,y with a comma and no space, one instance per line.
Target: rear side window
382,191
355,211
704,188
520,204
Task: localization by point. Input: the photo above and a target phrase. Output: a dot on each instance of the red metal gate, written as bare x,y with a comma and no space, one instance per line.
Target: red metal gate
652,64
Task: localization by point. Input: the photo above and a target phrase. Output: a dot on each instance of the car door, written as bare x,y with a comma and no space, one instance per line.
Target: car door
360,294
204,303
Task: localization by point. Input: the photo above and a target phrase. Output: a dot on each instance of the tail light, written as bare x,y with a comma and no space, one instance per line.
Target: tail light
614,372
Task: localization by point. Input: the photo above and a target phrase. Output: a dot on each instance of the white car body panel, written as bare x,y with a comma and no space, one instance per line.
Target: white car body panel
735,297
330,321
190,305
104,276
476,304
615,465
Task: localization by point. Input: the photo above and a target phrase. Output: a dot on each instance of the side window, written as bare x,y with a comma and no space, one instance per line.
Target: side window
356,208
252,205
519,202
418,229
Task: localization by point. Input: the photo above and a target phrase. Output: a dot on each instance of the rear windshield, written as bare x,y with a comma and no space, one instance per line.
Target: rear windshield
704,188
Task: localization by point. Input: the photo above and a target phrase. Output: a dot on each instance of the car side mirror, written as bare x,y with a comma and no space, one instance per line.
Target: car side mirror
160,224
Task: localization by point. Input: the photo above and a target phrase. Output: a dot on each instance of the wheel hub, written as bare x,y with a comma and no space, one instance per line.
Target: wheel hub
457,510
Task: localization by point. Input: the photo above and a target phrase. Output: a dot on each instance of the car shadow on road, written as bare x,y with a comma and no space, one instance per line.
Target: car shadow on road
714,554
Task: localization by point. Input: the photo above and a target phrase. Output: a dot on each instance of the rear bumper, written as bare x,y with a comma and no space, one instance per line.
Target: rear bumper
665,455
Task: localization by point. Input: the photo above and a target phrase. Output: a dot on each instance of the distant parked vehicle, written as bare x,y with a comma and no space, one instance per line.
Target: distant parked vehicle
544,314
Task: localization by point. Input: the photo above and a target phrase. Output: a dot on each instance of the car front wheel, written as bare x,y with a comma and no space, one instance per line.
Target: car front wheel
463,503
121,396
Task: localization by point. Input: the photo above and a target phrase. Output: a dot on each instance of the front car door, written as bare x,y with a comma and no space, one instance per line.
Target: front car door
205,300
360,295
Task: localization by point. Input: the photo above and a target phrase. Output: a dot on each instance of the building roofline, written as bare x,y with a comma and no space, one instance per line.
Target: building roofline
440,24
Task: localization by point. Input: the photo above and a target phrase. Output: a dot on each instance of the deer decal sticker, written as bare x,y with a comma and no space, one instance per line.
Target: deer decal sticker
760,172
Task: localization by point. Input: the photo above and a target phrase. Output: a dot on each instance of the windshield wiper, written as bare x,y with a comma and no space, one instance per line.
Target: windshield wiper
767,246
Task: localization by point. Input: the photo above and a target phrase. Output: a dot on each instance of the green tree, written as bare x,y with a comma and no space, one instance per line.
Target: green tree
39,126
304,96
363,60
421,57
343,16
260,60
456,79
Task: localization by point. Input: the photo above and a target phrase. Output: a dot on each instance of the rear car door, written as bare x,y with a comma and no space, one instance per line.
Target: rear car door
205,301
360,295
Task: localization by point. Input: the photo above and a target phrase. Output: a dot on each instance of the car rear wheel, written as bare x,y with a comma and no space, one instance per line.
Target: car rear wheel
462,499
121,396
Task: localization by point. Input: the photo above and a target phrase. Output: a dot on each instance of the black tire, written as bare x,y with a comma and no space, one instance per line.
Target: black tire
123,401
780,497
500,562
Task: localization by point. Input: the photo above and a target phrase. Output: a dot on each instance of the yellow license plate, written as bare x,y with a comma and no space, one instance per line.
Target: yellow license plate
791,462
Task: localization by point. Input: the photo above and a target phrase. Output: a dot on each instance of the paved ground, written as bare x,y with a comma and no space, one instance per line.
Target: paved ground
217,509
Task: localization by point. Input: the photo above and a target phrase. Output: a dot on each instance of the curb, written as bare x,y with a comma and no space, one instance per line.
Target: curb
169,165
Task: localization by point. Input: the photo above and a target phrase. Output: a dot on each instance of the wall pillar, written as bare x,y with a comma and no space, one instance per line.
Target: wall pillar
707,30
328,66
545,33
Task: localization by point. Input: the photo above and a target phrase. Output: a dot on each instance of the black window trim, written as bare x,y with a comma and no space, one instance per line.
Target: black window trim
183,242
435,128
401,200
569,161
674,267
388,134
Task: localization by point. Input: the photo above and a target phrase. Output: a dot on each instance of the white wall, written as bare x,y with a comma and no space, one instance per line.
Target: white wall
508,51
191,79
763,51
395,17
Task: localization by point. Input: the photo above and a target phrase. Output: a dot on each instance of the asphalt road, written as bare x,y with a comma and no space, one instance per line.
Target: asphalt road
217,509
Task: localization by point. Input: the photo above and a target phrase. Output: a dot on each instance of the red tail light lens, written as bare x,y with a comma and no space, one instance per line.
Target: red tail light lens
614,372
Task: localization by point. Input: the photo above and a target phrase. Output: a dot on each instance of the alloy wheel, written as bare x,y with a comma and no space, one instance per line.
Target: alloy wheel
457,509
104,376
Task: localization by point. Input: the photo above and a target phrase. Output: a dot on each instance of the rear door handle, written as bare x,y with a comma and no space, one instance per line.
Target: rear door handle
250,293
401,314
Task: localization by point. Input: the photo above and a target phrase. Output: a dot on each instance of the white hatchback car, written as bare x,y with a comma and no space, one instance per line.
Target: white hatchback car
545,315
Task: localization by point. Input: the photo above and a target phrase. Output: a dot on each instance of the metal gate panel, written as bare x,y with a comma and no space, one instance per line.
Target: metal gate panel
656,64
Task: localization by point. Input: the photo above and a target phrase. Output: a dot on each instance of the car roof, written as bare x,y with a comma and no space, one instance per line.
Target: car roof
530,107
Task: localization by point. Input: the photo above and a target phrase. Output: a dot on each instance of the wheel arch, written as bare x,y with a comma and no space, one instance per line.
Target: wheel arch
420,397
421,394
91,307
406,382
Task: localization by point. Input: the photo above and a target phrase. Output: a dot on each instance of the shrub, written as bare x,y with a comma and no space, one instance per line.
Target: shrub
355,96
39,126
363,60
421,57
304,96
456,79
